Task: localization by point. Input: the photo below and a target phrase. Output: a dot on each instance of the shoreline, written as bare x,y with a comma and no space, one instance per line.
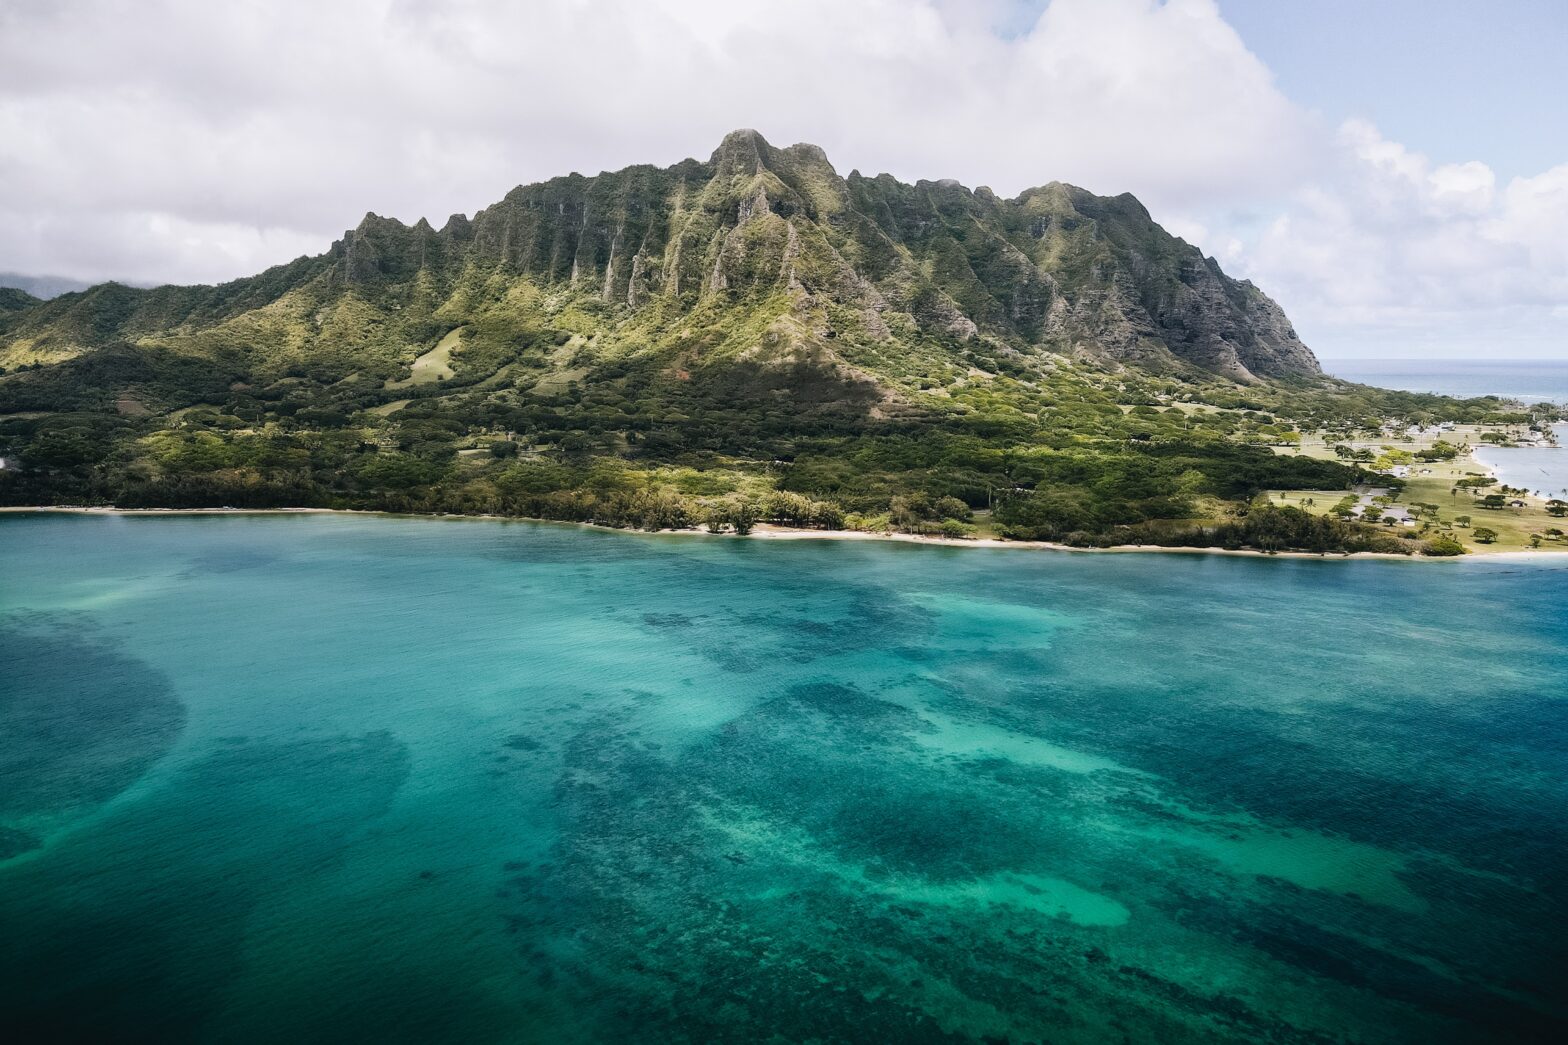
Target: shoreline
770,532
1493,469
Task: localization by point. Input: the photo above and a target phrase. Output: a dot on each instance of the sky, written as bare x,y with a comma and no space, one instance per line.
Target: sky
1393,172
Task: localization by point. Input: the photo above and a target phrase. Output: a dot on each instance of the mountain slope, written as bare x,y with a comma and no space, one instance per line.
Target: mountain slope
760,253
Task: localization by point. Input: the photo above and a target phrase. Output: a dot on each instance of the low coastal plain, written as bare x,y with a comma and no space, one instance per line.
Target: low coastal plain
1524,523
1524,516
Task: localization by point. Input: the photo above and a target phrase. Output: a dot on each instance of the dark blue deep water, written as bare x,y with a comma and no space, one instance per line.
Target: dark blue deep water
299,778
1530,380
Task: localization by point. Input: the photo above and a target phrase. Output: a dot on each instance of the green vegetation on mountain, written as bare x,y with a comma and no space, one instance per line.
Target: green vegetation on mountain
751,338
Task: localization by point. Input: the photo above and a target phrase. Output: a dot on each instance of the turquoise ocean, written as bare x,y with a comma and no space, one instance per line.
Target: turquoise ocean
357,778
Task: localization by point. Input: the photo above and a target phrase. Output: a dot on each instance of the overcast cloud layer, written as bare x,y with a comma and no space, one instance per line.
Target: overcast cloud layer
191,141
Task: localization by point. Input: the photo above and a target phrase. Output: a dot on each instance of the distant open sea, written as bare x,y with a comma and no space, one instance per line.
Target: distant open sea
1528,379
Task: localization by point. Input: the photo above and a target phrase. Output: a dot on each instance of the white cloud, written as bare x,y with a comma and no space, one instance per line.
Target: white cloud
257,126
187,140
1394,250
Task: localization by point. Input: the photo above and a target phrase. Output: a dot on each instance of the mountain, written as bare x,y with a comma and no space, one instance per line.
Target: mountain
14,299
813,261
749,337
42,287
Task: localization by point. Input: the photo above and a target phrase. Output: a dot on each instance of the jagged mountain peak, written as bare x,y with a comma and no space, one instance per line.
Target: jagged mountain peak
741,144
757,229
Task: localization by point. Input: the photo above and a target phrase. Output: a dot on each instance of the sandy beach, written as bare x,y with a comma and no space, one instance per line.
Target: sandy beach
769,532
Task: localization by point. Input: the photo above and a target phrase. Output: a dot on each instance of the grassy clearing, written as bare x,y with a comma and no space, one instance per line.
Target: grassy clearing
435,365
555,382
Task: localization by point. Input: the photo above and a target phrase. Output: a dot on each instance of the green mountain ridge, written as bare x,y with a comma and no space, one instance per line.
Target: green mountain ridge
775,232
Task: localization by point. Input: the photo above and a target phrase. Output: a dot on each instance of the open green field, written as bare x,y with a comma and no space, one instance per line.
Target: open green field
1433,482
390,408
435,365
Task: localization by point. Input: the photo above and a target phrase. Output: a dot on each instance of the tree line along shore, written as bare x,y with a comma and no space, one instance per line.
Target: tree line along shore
1084,454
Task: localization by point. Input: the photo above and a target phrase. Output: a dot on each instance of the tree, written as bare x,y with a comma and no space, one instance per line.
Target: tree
1557,507
1484,535
742,515
952,508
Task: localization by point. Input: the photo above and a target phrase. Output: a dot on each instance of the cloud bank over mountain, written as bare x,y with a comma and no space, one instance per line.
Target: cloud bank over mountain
182,141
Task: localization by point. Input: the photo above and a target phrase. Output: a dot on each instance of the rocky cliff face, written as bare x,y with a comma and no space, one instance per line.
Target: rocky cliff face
757,252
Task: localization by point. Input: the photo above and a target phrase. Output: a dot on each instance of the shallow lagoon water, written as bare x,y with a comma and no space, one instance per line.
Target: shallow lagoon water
1543,470
327,777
